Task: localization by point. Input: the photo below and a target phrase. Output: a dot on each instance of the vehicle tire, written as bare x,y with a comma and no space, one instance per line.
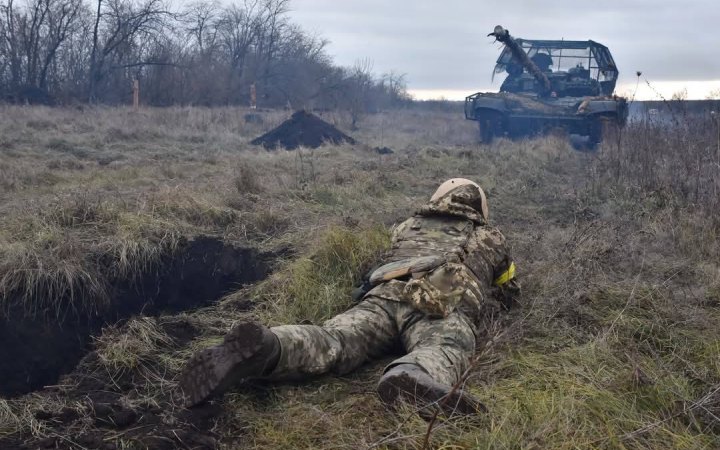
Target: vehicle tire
490,125
595,133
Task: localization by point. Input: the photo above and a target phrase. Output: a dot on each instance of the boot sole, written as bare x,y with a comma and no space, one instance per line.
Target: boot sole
211,370
426,398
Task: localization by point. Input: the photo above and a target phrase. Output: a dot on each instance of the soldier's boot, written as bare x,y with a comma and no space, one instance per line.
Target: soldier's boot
412,384
249,350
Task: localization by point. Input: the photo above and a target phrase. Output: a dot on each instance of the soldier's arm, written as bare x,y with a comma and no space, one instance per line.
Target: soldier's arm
505,284
364,286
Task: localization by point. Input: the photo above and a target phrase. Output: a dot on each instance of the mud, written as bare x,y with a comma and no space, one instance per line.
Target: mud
143,428
35,352
115,410
302,130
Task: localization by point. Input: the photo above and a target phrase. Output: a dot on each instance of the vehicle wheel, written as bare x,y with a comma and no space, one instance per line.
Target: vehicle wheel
595,134
490,126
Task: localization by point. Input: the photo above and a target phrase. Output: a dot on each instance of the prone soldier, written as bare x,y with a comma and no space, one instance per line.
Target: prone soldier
447,275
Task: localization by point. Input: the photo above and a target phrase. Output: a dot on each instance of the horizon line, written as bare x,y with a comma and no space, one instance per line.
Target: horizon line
688,90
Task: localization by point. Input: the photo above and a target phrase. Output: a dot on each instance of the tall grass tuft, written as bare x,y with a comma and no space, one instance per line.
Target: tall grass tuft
135,345
314,288
672,162
9,420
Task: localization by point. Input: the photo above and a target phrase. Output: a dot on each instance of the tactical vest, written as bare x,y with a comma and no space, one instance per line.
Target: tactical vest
431,236
435,289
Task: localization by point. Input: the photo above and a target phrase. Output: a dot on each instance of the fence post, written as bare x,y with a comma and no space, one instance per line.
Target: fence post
136,94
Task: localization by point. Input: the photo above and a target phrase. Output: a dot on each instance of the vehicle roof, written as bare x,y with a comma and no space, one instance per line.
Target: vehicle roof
559,43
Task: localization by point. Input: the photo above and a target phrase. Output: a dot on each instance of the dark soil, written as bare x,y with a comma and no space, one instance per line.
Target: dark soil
302,130
101,416
36,351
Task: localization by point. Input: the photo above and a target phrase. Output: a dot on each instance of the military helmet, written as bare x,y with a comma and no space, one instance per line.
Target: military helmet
455,183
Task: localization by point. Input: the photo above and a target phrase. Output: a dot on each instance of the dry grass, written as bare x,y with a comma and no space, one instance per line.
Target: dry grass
674,160
134,345
314,288
616,344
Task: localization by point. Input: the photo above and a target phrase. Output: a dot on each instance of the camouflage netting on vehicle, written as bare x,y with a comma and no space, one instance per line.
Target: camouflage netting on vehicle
524,104
302,130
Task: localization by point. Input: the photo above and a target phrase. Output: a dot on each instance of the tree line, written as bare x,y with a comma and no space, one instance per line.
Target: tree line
204,53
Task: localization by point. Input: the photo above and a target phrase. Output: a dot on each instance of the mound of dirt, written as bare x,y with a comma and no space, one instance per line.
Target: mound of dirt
302,130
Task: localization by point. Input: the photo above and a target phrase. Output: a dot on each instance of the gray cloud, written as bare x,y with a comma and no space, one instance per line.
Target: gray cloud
442,44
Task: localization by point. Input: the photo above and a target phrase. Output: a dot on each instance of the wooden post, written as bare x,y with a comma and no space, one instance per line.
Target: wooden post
253,97
136,94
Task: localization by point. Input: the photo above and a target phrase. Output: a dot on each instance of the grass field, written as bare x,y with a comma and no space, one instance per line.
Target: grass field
616,343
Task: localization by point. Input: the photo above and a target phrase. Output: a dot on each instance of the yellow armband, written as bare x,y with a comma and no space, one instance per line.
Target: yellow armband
506,276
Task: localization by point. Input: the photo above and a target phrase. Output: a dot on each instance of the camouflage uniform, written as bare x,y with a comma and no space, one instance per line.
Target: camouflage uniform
434,315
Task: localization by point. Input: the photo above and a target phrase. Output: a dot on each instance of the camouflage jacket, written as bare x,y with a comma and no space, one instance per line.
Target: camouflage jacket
476,273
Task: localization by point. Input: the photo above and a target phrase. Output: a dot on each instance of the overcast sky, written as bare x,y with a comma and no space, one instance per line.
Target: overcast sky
441,45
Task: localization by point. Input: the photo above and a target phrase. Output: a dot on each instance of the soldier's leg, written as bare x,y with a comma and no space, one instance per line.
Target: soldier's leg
442,347
248,350
251,350
341,344
439,352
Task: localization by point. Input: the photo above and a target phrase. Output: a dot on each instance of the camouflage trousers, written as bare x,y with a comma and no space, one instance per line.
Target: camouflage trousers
373,328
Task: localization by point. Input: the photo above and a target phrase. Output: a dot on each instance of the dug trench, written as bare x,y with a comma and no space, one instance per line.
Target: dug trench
36,351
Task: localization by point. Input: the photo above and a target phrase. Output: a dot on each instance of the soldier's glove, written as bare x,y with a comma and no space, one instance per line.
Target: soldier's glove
507,294
359,292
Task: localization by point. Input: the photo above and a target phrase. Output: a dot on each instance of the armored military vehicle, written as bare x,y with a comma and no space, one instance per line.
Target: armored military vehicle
549,85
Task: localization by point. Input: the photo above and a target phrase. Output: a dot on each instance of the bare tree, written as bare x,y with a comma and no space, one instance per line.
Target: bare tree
238,28
11,44
62,21
118,24
271,30
359,83
208,53
199,19
394,89
299,73
31,35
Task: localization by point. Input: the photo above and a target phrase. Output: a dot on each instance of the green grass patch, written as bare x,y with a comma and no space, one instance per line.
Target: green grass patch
314,288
